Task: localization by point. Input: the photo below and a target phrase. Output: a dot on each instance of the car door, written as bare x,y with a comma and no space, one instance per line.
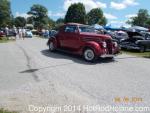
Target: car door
71,37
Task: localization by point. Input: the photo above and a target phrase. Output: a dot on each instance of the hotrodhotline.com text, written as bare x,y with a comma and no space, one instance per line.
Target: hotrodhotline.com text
88,108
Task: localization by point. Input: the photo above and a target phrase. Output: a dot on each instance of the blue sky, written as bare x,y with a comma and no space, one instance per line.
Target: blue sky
116,11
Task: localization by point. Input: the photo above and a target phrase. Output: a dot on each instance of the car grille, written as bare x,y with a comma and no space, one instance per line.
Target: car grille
109,46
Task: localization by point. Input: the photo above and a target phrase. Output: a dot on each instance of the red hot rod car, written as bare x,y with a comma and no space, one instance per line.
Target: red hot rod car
83,40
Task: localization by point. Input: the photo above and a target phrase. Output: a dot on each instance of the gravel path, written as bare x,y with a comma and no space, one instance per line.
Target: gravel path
31,75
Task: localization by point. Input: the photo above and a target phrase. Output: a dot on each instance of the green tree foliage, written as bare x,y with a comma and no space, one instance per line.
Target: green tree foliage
20,21
30,20
76,13
102,21
39,14
148,23
141,19
5,13
60,21
95,16
51,23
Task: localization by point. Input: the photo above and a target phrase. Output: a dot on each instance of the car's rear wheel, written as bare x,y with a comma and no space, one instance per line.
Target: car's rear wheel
89,55
52,47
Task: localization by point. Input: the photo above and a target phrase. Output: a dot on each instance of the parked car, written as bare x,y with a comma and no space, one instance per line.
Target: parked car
2,33
82,40
145,34
46,34
11,33
118,35
29,33
52,33
138,41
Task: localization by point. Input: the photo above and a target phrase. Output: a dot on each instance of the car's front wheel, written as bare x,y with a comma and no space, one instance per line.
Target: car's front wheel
51,46
89,55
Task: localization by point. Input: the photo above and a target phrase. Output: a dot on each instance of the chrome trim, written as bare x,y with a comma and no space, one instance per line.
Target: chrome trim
107,55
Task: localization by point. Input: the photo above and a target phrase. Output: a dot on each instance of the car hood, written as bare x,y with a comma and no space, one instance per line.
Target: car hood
95,36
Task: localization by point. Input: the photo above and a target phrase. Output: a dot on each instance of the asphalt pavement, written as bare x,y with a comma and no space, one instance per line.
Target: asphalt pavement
31,75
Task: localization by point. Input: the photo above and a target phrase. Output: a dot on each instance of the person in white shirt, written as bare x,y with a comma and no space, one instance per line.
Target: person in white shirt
7,32
20,33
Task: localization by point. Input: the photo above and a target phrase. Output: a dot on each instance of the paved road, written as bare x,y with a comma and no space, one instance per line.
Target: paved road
31,75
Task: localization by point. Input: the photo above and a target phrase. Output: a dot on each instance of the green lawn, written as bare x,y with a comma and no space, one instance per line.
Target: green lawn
5,111
136,53
5,40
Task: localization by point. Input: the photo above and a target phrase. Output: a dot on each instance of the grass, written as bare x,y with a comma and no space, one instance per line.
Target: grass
5,40
5,111
136,53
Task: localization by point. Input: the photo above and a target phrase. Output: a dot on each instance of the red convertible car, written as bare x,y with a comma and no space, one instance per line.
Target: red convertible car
83,40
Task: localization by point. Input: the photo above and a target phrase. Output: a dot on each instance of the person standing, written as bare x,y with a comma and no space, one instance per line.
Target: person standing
7,32
15,32
20,33
23,33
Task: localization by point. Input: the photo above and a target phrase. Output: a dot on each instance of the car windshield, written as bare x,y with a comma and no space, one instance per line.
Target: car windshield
86,29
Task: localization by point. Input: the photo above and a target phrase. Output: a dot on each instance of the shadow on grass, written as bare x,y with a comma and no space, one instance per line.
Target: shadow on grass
147,57
137,53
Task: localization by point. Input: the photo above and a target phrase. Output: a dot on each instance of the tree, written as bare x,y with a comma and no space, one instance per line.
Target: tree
39,14
5,13
76,13
148,23
141,18
30,20
60,21
51,23
102,21
95,16
20,21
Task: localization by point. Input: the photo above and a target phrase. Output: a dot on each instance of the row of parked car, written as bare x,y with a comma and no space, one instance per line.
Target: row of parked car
132,39
11,32
137,38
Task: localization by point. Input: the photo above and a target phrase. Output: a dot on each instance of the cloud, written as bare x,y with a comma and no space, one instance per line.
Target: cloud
117,21
25,15
117,6
124,4
118,24
58,14
110,16
131,15
89,4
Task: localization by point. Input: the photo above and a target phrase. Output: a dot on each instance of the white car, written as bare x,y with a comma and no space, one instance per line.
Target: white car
29,33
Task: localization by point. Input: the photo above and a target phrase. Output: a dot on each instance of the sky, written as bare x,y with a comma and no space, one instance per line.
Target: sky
116,11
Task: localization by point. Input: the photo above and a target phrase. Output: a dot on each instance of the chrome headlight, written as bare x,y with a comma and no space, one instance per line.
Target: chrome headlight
104,44
115,44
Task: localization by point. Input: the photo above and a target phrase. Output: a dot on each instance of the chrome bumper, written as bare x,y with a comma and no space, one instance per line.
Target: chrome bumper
107,56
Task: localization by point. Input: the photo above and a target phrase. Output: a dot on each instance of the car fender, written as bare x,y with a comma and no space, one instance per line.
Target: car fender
93,45
143,42
52,39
